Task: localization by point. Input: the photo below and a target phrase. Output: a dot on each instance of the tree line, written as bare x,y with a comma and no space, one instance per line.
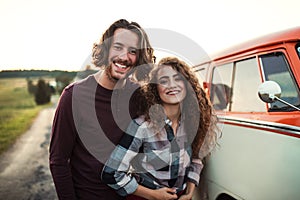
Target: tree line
35,73
43,90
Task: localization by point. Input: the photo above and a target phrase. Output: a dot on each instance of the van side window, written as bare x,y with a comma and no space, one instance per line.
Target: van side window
221,86
246,80
234,87
276,68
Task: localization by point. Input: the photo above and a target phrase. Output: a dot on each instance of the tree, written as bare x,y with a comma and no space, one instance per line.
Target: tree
43,92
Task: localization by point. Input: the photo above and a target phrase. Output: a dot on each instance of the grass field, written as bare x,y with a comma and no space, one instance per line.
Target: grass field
17,110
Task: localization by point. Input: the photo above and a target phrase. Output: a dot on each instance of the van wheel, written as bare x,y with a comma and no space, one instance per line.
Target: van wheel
225,197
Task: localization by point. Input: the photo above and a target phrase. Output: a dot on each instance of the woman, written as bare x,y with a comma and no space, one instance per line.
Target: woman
159,157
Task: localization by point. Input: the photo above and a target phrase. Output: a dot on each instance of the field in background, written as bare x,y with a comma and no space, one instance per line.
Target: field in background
17,110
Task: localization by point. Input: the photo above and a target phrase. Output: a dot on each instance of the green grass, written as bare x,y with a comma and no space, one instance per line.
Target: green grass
17,110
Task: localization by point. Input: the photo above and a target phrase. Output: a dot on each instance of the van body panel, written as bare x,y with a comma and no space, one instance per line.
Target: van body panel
261,165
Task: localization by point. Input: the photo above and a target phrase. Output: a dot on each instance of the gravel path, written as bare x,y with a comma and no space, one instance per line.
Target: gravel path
24,169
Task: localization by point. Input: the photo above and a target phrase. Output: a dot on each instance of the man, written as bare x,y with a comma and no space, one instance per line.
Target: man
92,114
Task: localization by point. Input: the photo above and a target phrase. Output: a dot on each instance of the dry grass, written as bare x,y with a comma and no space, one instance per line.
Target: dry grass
17,110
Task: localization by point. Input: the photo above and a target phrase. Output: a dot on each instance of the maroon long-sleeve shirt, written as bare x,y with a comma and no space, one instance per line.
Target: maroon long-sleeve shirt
88,123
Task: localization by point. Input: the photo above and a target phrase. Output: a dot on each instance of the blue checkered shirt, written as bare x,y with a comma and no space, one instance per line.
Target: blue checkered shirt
154,160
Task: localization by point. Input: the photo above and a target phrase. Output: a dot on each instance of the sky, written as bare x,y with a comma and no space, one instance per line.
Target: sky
59,34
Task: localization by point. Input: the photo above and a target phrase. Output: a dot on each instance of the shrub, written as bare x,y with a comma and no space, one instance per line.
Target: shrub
43,92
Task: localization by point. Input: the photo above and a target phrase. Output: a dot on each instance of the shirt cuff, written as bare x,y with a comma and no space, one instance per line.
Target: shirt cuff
193,177
129,188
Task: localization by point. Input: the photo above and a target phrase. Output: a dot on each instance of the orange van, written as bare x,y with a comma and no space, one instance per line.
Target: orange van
254,88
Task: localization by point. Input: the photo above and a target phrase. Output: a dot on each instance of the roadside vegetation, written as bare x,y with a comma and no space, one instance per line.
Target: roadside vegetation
23,93
18,109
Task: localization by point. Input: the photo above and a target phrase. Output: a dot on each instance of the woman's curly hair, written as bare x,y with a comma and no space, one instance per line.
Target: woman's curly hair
196,110
145,53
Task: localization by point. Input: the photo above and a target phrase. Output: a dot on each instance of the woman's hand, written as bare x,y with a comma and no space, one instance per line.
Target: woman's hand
186,197
189,192
164,194
158,194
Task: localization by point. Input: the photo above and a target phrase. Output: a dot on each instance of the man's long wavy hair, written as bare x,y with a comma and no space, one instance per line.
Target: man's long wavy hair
144,54
196,109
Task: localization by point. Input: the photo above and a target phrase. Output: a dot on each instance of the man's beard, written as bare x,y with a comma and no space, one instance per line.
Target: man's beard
108,72
114,61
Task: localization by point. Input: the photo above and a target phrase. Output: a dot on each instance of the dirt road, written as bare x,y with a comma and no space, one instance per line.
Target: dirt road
24,169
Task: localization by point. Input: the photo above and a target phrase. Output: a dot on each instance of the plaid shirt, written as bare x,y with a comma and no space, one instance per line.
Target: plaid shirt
152,160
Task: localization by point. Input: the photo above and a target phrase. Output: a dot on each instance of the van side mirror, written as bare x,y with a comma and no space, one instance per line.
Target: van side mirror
270,91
